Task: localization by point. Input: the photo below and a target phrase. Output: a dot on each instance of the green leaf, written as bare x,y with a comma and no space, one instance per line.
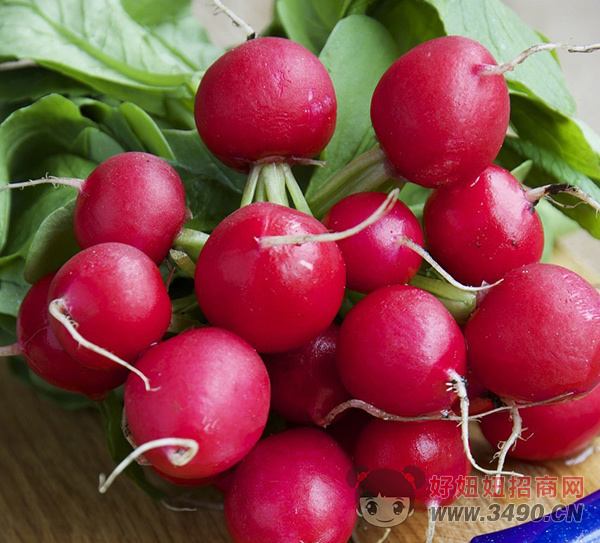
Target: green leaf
50,126
53,244
550,168
355,67
409,23
12,287
557,133
500,30
309,22
521,172
213,191
100,45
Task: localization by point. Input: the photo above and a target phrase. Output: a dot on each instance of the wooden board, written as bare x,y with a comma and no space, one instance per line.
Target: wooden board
50,460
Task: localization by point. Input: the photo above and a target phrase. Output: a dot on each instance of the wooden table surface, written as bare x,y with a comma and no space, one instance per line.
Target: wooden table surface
50,460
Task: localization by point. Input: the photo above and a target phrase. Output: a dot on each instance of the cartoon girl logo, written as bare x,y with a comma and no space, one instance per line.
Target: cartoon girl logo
386,497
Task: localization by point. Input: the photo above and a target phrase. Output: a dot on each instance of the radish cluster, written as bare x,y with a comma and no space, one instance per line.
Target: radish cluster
280,322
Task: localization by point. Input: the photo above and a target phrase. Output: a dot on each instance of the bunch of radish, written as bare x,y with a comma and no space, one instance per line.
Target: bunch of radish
281,329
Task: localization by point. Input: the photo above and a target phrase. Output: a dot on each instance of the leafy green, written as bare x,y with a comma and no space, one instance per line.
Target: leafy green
100,45
500,30
557,133
213,190
355,67
12,287
53,244
310,22
549,168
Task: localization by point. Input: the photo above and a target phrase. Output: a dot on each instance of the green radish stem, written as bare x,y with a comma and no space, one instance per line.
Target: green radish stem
177,457
367,172
58,310
190,242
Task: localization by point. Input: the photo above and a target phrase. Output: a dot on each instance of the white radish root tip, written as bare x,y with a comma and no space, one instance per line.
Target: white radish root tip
458,384
517,429
185,452
236,19
380,414
535,195
491,69
407,242
430,524
385,207
59,311
67,181
10,350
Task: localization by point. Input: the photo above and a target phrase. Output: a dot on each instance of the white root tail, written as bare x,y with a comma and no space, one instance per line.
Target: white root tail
385,207
517,428
407,242
236,19
490,69
10,350
430,524
67,181
58,310
535,195
177,457
380,414
457,384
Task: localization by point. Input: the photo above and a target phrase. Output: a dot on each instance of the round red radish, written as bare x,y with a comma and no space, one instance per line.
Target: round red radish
438,120
214,389
479,231
536,335
115,294
46,357
292,487
267,99
132,198
305,385
276,298
396,350
435,447
373,257
549,431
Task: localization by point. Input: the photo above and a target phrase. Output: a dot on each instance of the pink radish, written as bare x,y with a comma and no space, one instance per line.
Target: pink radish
133,198
479,231
437,118
305,385
536,335
373,257
292,487
277,298
398,349
549,431
116,296
214,389
268,99
46,357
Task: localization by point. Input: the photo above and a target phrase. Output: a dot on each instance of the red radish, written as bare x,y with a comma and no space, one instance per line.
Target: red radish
347,429
397,350
433,446
549,431
46,357
305,385
292,487
536,335
133,198
479,231
268,99
116,296
373,257
276,298
178,481
214,389
437,118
